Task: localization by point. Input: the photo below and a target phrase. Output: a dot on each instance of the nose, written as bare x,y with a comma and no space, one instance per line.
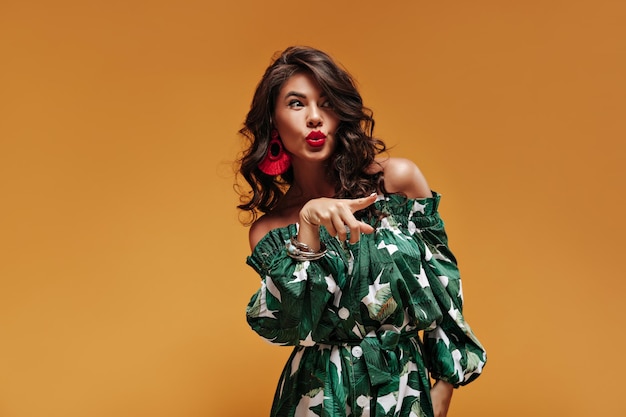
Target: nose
314,117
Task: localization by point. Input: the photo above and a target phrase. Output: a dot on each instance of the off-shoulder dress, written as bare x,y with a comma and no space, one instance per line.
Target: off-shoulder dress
371,322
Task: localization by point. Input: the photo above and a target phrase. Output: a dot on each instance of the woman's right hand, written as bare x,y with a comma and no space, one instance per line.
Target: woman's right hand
336,215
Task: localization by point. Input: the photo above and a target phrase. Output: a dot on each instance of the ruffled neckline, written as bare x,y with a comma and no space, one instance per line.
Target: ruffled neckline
391,204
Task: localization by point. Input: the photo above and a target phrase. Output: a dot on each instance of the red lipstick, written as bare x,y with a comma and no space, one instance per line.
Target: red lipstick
316,138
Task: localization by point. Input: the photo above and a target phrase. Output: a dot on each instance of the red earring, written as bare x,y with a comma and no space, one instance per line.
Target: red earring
277,161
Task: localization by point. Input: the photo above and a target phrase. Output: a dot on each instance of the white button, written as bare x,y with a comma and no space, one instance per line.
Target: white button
357,352
362,401
343,313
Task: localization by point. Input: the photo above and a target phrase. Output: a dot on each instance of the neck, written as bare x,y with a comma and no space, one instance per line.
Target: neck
311,181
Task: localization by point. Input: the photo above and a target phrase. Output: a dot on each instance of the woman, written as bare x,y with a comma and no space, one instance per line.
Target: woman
353,257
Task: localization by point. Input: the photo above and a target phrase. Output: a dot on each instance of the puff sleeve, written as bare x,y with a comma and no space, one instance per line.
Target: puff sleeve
290,304
452,351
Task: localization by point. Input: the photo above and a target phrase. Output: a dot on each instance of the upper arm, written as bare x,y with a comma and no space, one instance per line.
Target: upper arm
403,176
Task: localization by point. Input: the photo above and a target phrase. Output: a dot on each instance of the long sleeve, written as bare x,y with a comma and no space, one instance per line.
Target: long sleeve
453,353
288,307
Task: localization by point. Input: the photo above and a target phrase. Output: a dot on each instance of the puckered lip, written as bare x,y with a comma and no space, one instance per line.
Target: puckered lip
316,135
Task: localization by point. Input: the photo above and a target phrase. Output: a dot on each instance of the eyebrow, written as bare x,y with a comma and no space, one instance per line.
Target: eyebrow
300,95
295,93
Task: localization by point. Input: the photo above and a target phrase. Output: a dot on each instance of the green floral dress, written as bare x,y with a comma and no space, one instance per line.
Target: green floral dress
369,320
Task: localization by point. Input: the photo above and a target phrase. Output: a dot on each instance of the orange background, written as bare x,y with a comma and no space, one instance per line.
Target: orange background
122,275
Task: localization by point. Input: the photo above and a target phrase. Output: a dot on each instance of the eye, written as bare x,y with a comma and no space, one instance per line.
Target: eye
295,103
327,104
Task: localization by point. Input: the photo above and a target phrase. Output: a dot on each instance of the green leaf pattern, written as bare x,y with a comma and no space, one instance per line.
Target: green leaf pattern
370,322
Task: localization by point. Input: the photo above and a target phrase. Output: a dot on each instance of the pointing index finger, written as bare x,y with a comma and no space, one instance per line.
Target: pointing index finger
361,203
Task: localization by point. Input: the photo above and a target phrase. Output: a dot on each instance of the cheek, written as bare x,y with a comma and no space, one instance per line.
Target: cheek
332,120
282,125
287,129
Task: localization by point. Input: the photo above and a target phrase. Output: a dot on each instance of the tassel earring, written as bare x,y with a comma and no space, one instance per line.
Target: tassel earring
277,161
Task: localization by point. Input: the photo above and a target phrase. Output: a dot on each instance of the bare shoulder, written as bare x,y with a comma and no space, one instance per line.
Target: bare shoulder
265,223
258,229
403,176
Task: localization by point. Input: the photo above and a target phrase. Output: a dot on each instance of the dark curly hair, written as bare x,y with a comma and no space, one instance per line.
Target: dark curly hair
356,147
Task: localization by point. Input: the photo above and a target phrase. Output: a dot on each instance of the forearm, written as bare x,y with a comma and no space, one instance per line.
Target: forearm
309,234
441,396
